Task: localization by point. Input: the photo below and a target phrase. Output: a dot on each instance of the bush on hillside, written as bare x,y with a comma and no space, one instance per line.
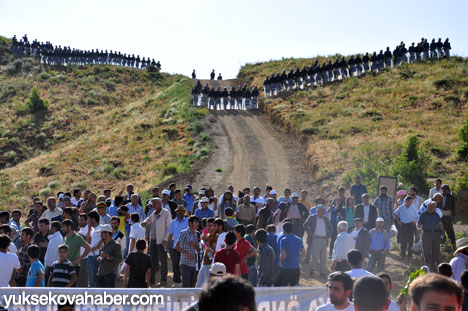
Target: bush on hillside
462,151
411,166
35,103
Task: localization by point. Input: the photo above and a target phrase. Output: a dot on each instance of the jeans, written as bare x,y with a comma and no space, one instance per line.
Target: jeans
106,281
82,278
253,275
376,257
203,275
188,276
158,255
93,266
176,266
287,277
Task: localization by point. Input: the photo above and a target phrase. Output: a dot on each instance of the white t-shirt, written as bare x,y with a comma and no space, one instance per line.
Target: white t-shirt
330,307
220,242
95,239
357,273
136,232
84,231
12,248
366,213
9,262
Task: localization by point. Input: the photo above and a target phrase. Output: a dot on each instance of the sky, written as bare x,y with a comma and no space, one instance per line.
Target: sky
224,35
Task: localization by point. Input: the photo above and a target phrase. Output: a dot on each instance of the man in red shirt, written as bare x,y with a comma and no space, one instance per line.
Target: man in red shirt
228,256
245,250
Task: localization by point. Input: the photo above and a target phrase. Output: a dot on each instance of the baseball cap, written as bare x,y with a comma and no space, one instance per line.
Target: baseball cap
295,195
101,204
201,192
204,200
379,219
218,269
273,192
61,196
105,228
165,191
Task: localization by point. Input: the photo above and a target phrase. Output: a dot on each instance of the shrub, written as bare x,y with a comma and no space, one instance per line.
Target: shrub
205,137
45,192
170,170
411,166
444,83
35,103
462,151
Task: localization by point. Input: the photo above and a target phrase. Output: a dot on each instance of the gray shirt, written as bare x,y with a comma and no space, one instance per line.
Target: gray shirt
109,265
429,221
266,265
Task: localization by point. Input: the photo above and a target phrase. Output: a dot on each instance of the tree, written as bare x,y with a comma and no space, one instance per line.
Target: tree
462,151
35,103
411,166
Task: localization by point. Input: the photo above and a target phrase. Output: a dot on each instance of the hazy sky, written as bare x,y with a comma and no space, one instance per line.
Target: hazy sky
224,35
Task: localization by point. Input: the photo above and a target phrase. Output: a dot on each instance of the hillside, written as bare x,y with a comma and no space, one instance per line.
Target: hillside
105,126
359,126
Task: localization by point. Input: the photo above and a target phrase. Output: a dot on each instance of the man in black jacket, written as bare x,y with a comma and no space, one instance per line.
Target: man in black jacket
255,94
447,206
447,48
361,237
367,212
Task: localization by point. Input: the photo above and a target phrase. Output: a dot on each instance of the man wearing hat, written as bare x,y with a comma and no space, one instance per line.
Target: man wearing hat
432,230
447,206
177,225
204,211
318,230
218,269
367,212
379,246
461,257
110,255
298,214
167,203
384,205
361,238
197,204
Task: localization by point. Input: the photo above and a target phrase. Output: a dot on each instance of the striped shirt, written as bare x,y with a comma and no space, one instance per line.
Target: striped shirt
61,273
246,213
385,207
135,209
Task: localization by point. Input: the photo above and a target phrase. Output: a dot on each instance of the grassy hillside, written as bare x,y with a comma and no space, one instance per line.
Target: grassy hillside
105,126
359,126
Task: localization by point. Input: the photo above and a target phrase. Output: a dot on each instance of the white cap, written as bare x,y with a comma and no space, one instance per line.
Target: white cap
105,228
218,269
379,219
165,191
295,195
204,200
61,196
201,192
273,192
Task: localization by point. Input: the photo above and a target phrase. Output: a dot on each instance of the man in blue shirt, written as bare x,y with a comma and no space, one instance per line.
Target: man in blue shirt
379,246
406,215
36,273
204,211
189,198
272,238
357,190
177,225
291,252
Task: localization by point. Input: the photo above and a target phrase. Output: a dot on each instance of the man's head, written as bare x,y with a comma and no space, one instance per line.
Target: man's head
77,193
341,191
287,227
408,201
250,229
365,198
107,193
6,229
438,183
339,286
435,292
63,251
194,222
51,203
16,215
4,242
101,208
431,207
287,193
358,223
445,269
218,269
355,258
155,192
140,245
342,226
304,195
218,225
210,224
83,220
261,236
165,195
445,189
438,197
92,197
295,197
33,252
94,218
180,212
26,235
246,199
239,230
129,188
464,280
106,232
67,226
38,207
44,225
135,218
370,294
204,203
178,194
357,180
227,293
4,217
230,238
134,199
67,212
54,227
115,222
413,191
320,210
379,223
383,190
256,191
387,282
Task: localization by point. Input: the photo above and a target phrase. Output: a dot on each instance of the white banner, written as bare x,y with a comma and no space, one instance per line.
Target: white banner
123,299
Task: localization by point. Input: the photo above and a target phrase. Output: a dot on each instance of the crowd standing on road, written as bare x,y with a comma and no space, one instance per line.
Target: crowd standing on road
52,55
328,72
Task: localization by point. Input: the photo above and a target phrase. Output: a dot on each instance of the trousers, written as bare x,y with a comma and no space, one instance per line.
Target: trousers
319,252
188,276
376,257
406,238
431,247
158,255
287,277
448,227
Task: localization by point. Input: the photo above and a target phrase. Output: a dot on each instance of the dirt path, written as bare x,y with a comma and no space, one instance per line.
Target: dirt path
250,152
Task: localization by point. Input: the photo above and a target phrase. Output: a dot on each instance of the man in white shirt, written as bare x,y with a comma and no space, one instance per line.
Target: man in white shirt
96,241
355,260
52,209
418,201
136,232
343,244
159,220
76,197
436,189
219,228
85,232
257,200
9,261
340,286
393,306
55,240
8,231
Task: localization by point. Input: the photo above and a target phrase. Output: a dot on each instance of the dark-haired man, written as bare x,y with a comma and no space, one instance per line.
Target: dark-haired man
355,260
55,240
96,240
74,241
188,246
266,259
435,292
26,236
110,255
370,294
244,248
393,306
340,286
291,251
229,256
41,237
9,261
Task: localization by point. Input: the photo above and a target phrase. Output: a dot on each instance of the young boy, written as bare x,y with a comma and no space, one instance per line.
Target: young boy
231,222
266,259
36,271
62,272
138,267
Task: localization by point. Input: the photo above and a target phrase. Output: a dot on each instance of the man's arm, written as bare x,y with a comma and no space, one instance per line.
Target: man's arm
147,221
238,272
125,278
283,255
183,251
40,277
303,253
87,248
148,277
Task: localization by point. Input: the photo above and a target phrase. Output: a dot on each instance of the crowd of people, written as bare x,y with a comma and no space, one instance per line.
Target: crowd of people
240,98
340,69
64,56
